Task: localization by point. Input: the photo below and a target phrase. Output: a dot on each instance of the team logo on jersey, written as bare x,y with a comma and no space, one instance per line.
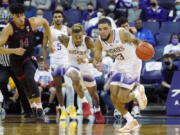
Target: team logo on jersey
27,28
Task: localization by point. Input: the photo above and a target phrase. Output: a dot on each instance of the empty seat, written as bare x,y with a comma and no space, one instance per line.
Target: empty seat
151,73
158,52
72,16
170,27
48,15
153,26
162,38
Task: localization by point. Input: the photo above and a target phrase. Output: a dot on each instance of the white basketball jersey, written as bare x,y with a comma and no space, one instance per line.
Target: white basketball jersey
60,55
75,52
55,32
124,54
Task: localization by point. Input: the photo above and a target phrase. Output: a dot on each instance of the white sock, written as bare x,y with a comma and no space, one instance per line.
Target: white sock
39,105
97,109
33,105
83,99
128,117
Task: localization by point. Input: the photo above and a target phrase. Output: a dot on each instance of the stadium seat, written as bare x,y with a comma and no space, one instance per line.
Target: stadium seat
170,27
153,26
72,16
158,52
48,15
102,4
162,38
153,76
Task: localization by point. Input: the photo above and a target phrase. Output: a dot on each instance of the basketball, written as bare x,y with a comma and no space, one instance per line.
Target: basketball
145,51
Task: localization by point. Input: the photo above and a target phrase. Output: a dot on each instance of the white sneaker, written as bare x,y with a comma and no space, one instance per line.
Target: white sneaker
135,111
141,97
133,125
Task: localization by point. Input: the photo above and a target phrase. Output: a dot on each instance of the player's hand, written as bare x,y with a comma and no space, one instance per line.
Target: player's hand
98,66
81,60
19,51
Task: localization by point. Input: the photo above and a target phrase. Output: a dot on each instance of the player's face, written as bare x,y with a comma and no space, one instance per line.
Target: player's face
19,19
104,31
77,38
58,18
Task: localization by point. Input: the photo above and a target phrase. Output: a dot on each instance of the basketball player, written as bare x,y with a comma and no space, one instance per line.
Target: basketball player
80,70
60,58
123,22
18,33
121,45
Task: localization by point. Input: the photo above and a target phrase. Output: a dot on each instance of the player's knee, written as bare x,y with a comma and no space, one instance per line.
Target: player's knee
52,90
75,75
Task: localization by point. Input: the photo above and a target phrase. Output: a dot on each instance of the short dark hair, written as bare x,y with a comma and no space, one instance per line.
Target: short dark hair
121,21
76,28
17,8
58,11
104,21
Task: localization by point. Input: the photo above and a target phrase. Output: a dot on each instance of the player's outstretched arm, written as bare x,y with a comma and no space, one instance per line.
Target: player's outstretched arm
127,37
6,32
36,22
64,40
97,55
90,45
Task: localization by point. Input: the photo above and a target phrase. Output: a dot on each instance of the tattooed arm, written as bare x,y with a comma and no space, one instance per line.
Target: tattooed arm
64,40
127,37
90,45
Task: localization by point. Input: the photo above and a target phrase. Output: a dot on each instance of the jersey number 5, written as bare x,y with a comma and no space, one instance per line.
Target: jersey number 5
24,43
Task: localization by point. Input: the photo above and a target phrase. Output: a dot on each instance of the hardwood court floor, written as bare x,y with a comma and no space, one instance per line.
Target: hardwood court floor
151,125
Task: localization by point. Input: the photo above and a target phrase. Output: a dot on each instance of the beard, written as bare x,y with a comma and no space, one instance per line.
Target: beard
57,22
105,39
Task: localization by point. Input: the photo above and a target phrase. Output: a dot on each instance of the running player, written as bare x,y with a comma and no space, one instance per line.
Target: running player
80,70
60,58
19,34
121,45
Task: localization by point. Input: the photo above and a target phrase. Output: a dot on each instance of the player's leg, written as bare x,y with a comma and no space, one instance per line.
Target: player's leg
58,74
70,98
19,73
90,84
118,98
77,82
34,94
122,91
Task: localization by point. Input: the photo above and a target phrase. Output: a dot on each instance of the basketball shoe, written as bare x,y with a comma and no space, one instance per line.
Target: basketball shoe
129,127
86,109
141,96
72,112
